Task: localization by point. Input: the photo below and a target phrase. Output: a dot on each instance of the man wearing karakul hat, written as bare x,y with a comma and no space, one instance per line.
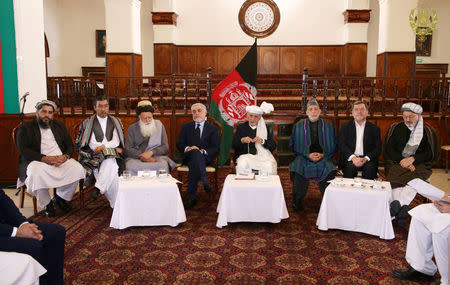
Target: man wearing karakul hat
410,151
314,144
45,151
146,144
253,142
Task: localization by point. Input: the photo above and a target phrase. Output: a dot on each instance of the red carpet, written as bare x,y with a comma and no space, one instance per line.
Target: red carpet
196,252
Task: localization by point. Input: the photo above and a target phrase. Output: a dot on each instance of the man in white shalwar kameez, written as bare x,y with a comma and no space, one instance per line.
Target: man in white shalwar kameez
253,142
428,236
45,150
99,142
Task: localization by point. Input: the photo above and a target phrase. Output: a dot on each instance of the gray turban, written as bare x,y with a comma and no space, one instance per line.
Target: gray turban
45,102
412,107
312,102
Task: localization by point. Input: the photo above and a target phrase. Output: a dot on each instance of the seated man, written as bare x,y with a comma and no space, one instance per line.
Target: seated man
411,149
428,236
146,145
360,144
199,141
99,143
253,143
45,151
44,242
313,142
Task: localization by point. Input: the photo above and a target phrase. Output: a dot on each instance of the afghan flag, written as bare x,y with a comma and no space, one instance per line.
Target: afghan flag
231,96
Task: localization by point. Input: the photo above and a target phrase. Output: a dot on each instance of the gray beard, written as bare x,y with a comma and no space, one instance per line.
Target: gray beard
147,129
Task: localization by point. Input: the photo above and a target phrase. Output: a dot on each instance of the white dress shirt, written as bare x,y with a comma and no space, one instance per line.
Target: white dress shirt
113,143
359,146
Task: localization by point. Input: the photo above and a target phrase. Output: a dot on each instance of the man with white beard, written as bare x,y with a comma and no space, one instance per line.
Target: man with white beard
410,151
146,144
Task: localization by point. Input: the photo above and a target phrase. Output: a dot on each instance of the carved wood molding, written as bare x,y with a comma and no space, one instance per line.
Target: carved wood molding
356,16
164,18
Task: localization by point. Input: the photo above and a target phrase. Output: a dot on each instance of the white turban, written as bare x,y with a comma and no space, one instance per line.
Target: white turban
265,108
412,107
45,102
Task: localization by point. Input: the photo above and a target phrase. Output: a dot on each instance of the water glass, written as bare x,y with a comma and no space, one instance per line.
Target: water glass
263,174
146,173
126,174
162,173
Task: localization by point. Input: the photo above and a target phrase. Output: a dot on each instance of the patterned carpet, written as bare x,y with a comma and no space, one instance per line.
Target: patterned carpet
196,252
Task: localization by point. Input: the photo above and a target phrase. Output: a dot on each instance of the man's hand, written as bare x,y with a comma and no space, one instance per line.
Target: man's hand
119,150
257,140
315,156
29,230
192,148
412,168
443,207
359,161
246,140
99,149
406,162
145,156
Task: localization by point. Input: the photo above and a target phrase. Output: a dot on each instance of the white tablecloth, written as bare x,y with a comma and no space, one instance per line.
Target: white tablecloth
251,201
147,202
357,209
19,269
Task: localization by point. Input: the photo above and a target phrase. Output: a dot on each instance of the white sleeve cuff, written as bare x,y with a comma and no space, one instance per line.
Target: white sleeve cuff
366,157
350,158
14,232
185,149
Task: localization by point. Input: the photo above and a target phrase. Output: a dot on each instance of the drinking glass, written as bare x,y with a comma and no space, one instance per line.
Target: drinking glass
162,173
263,174
126,174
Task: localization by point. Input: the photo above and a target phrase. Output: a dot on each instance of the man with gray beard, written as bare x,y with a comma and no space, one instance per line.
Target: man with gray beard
146,144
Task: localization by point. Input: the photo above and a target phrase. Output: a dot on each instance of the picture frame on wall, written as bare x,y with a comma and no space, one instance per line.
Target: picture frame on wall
423,48
100,43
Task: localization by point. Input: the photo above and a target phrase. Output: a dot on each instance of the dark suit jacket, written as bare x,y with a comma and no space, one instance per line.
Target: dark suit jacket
209,140
243,130
347,141
10,216
29,143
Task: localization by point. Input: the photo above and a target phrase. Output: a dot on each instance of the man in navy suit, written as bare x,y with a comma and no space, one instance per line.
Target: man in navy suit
43,241
199,141
360,144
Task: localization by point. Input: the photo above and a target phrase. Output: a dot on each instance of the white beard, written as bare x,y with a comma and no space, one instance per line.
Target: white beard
147,129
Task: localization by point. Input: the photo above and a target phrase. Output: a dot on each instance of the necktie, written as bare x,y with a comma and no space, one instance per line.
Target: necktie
197,131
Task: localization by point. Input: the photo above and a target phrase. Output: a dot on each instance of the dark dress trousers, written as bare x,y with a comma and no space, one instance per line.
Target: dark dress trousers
29,143
371,148
49,252
244,130
194,159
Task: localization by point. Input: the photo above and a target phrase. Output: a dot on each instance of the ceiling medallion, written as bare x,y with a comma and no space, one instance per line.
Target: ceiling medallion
259,18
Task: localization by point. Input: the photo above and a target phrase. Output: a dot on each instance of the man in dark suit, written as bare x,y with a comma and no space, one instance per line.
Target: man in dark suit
199,141
360,144
44,242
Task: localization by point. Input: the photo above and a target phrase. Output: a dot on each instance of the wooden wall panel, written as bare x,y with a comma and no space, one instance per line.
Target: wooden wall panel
355,59
163,58
268,60
187,59
312,58
380,59
290,60
207,57
137,65
332,58
242,52
400,64
227,59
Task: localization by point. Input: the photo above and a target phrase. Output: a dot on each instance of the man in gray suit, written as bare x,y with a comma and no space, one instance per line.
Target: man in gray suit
146,144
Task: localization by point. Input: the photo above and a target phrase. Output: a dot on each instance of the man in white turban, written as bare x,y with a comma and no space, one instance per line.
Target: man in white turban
253,142
410,150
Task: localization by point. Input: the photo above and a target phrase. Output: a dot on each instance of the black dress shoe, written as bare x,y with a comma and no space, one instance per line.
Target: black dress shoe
402,216
412,275
50,210
394,208
94,193
62,204
207,187
190,204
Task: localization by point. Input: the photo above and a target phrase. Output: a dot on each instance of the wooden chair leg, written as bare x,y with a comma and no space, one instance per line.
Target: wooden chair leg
22,195
35,205
80,189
